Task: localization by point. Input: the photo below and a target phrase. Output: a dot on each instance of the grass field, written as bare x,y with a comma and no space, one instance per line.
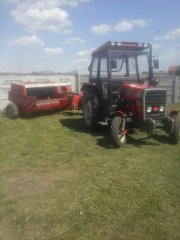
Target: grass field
58,181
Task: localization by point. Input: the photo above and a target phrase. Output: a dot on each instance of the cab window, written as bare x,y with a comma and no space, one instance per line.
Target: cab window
143,65
103,67
118,66
94,67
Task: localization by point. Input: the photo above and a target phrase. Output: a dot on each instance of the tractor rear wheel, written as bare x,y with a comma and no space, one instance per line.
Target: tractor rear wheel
12,111
174,135
118,132
91,110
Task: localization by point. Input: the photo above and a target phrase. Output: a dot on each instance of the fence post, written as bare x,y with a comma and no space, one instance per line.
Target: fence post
175,89
77,79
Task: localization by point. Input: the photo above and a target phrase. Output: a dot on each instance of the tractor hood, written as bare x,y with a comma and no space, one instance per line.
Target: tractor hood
133,91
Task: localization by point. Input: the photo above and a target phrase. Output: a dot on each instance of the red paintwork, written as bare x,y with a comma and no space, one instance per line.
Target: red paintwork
120,113
133,92
155,109
60,97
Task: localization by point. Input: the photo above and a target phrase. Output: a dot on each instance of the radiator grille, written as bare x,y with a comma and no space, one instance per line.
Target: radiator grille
155,97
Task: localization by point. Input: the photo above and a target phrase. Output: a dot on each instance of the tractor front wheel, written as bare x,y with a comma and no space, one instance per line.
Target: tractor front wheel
174,135
12,111
118,131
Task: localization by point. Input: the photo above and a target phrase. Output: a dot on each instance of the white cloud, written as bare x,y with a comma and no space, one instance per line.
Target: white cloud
74,40
67,31
53,51
2,65
72,3
40,17
121,26
81,61
101,29
36,15
11,1
84,1
156,46
126,25
173,53
85,53
26,41
169,35
2,62
170,56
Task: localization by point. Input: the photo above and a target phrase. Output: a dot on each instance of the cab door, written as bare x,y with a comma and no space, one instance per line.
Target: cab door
103,77
99,76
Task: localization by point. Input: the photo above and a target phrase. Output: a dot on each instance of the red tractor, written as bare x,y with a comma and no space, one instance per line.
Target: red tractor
122,92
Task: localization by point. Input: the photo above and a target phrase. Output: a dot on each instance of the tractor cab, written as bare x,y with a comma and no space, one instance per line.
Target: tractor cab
115,60
116,63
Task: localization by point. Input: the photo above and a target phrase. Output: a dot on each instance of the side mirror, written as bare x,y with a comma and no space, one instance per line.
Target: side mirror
155,62
114,63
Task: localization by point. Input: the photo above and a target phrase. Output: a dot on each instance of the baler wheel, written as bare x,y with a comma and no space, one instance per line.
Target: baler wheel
12,111
174,136
118,132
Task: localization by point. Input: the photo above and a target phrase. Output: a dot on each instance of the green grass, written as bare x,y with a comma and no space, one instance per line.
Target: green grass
58,181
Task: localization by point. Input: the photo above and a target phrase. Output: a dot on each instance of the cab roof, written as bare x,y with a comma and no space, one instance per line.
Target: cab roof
121,46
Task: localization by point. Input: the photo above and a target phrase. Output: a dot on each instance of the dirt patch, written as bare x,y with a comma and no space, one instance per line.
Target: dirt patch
33,183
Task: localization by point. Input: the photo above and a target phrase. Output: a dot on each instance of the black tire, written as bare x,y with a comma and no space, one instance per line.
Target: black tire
118,135
174,136
91,110
12,111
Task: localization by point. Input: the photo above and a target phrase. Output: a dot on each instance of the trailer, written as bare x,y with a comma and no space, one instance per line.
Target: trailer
32,97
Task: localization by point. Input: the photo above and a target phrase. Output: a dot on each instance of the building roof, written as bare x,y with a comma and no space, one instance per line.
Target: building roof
172,69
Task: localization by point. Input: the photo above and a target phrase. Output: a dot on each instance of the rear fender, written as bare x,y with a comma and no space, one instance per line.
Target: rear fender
89,87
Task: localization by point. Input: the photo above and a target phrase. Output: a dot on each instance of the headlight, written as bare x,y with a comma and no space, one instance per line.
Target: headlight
149,109
161,108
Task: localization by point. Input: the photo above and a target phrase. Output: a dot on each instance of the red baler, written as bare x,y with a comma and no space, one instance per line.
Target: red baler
33,97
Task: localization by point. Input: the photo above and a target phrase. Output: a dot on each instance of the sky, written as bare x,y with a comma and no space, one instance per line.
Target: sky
59,35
